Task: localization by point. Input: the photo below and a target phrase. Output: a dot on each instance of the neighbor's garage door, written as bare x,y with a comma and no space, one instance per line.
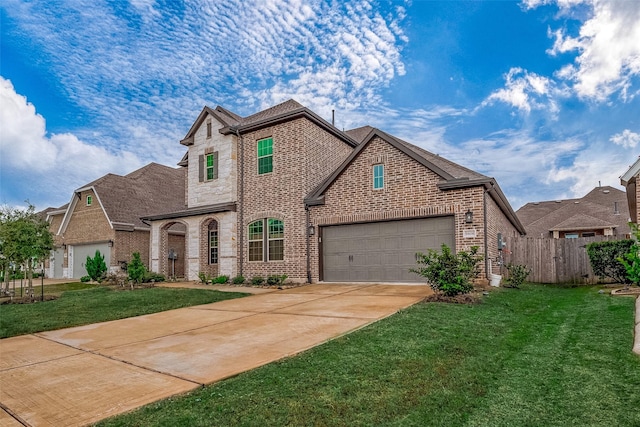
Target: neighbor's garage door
381,251
80,254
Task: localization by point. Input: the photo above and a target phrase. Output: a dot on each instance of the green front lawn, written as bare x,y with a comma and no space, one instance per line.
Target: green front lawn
539,356
81,304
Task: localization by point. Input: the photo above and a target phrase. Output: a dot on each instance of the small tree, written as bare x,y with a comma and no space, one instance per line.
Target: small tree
449,273
605,259
136,268
517,275
631,260
96,267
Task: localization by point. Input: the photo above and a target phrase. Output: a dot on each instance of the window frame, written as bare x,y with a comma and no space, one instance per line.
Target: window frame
378,176
89,199
213,247
265,239
260,156
210,168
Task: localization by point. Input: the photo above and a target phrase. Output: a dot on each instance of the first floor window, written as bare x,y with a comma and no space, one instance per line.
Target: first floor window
378,177
213,242
266,240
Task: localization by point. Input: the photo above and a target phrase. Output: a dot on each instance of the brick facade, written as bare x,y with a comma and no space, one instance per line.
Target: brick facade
410,191
303,156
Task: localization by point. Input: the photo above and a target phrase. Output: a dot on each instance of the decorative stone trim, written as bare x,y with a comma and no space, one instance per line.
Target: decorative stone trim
263,214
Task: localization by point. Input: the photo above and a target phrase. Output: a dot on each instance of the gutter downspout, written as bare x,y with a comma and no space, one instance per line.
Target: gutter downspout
306,227
487,261
240,141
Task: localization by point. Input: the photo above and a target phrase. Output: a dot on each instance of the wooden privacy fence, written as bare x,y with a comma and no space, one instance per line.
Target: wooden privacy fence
554,260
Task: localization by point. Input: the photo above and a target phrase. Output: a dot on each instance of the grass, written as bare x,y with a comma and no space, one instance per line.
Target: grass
538,356
82,303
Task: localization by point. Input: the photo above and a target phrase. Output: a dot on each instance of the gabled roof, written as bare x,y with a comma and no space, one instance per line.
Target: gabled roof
631,173
149,190
596,210
224,116
453,175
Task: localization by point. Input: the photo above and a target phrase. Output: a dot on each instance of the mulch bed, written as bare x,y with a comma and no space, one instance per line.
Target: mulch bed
474,297
28,300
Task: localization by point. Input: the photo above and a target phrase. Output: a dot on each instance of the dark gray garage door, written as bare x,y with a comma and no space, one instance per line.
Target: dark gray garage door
80,254
381,251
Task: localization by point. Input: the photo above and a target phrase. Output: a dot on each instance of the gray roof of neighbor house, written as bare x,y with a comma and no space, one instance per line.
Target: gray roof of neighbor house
453,175
596,210
149,190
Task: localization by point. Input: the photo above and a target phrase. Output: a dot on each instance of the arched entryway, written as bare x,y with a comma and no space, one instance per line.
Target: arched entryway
173,249
210,247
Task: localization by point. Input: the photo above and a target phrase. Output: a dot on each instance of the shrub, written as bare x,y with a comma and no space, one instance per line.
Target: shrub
631,260
136,268
517,275
257,280
150,276
221,280
276,280
204,277
605,258
85,279
449,273
238,280
96,267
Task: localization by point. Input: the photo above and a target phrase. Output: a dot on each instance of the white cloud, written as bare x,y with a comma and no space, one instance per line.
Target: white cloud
608,49
47,166
626,139
525,91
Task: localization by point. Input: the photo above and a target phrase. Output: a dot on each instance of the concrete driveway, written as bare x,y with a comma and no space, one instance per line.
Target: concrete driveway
81,375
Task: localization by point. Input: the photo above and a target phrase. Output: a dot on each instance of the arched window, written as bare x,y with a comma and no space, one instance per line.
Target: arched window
266,240
213,242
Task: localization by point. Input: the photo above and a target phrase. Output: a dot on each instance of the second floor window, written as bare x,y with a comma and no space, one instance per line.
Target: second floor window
212,173
89,200
378,177
265,156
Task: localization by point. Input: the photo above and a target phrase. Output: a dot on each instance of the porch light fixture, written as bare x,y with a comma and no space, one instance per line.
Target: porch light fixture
311,230
468,217
110,243
64,246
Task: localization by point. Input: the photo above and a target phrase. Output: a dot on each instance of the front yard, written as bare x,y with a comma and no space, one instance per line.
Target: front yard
539,356
83,303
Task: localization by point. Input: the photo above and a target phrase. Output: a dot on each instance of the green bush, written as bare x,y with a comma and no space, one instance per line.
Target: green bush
150,276
204,277
257,280
85,279
449,273
631,260
517,275
96,267
238,280
136,268
276,280
606,259
221,280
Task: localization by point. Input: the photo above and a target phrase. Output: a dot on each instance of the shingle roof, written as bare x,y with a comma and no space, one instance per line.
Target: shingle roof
595,208
147,191
279,109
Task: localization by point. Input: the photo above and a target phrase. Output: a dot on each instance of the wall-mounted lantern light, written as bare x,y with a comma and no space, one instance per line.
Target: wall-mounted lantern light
64,246
311,230
110,243
468,217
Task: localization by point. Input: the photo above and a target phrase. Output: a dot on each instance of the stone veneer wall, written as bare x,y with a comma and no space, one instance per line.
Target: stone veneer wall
303,155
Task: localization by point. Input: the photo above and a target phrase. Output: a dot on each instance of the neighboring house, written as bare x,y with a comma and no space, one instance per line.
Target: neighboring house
285,192
105,215
602,212
630,182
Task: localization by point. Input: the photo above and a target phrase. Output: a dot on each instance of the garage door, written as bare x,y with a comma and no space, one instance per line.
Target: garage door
381,251
80,254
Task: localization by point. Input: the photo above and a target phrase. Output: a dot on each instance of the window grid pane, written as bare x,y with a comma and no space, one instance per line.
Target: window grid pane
210,166
213,247
255,230
378,176
255,251
276,229
276,250
265,156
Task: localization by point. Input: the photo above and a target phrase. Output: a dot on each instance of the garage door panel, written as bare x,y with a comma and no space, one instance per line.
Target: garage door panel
80,254
382,251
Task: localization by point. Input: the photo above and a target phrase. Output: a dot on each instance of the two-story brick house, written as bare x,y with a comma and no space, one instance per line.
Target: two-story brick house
285,192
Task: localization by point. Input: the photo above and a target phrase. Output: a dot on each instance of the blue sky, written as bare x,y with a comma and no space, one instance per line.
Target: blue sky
543,95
